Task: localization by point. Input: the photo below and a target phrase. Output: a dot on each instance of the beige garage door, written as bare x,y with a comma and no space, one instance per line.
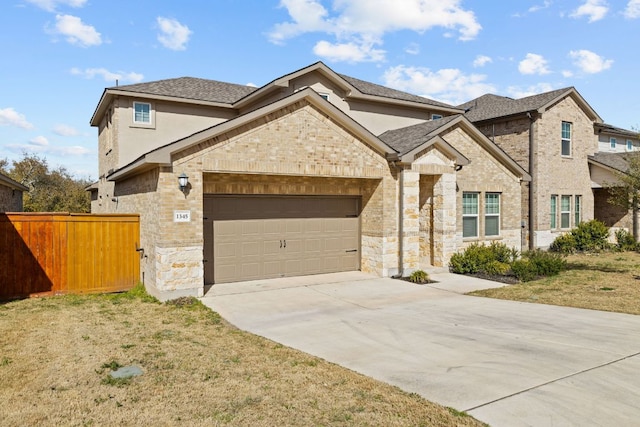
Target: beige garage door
258,237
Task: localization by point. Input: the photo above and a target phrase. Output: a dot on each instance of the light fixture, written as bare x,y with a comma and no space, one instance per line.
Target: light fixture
183,181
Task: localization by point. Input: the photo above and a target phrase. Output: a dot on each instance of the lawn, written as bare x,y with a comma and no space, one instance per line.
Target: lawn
608,281
57,355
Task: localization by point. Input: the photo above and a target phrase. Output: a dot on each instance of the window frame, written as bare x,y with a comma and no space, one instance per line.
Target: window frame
553,218
135,114
566,138
491,215
470,215
577,209
613,142
563,212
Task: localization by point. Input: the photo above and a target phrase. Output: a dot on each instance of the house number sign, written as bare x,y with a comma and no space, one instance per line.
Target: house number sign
181,216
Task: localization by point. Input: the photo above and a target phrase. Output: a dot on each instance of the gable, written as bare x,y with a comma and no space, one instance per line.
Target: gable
298,139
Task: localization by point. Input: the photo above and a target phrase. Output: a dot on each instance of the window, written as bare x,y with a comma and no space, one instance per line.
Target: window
566,139
492,214
554,212
576,211
324,95
436,116
565,212
629,145
141,112
612,143
469,214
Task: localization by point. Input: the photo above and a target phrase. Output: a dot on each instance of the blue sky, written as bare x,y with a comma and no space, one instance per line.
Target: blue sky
61,54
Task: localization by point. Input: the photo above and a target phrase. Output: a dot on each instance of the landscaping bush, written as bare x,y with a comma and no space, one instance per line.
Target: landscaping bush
479,258
419,276
625,240
524,270
497,268
546,263
590,236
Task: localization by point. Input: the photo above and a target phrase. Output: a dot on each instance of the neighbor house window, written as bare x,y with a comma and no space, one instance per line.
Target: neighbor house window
577,210
566,138
565,212
492,214
612,143
629,145
469,214
141,112
554,212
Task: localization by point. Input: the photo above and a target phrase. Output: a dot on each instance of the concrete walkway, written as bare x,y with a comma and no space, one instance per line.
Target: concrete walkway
506,363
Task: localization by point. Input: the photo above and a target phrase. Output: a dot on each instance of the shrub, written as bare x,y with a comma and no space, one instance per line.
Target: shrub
477,258
524,270
546,263
419,276
565,244
625,240
497,268
590,236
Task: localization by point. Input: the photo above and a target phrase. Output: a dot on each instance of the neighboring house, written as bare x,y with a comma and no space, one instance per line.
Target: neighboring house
314,172
551,135
11,194
613,139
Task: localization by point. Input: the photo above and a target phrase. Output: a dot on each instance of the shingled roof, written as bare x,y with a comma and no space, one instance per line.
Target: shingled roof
617,161
610,129
191,88
406,139
492,106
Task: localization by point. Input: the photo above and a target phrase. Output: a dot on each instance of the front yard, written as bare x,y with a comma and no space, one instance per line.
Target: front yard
57,355
608,281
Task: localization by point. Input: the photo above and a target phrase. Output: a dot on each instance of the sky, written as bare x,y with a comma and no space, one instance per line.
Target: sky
60,55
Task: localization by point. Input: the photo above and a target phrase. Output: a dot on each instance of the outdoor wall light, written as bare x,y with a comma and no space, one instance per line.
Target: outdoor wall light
183,181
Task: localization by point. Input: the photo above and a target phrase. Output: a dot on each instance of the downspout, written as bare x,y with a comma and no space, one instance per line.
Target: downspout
400,273
533,184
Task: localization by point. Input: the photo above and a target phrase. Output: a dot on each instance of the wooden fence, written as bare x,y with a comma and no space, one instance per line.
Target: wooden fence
60,253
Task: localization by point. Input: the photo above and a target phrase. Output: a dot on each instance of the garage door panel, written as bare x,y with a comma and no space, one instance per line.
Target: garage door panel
266,237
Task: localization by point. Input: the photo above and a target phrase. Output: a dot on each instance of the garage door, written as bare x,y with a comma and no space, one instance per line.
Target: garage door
256,237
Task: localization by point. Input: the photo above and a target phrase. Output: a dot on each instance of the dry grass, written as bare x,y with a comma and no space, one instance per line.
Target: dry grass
56,354
606,281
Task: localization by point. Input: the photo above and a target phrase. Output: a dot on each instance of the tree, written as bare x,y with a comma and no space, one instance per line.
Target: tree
626,192
49,190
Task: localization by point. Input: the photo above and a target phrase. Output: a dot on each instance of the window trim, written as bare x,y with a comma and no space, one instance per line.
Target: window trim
492,214
566,139
475,215
565,212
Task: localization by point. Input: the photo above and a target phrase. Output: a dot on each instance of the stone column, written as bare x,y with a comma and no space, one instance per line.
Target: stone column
409,216
446,240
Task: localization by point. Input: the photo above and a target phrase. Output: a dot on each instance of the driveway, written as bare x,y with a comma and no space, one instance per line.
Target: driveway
506,363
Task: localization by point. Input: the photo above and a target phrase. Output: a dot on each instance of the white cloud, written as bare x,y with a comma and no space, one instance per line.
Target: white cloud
65,130
77,32
481,61
594,9
589,62
518,92
413,49
108,76
349,52
633,9
538,7
567,73
533,64
39,141
447,85
51,5
10,117
365,22
73,150
173,35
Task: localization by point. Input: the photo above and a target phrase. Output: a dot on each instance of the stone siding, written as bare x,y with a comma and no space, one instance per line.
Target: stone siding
10,200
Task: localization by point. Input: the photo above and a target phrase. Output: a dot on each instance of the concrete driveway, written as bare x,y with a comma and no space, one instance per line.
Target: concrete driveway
506,363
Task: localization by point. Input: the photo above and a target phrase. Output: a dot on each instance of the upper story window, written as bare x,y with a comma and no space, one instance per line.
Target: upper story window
436,116
629,145
142,113
566,139
612,143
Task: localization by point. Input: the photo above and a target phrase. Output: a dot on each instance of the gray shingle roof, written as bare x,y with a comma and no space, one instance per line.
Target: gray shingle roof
406,139
617,131
386,92
617,161
493,106
192,88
